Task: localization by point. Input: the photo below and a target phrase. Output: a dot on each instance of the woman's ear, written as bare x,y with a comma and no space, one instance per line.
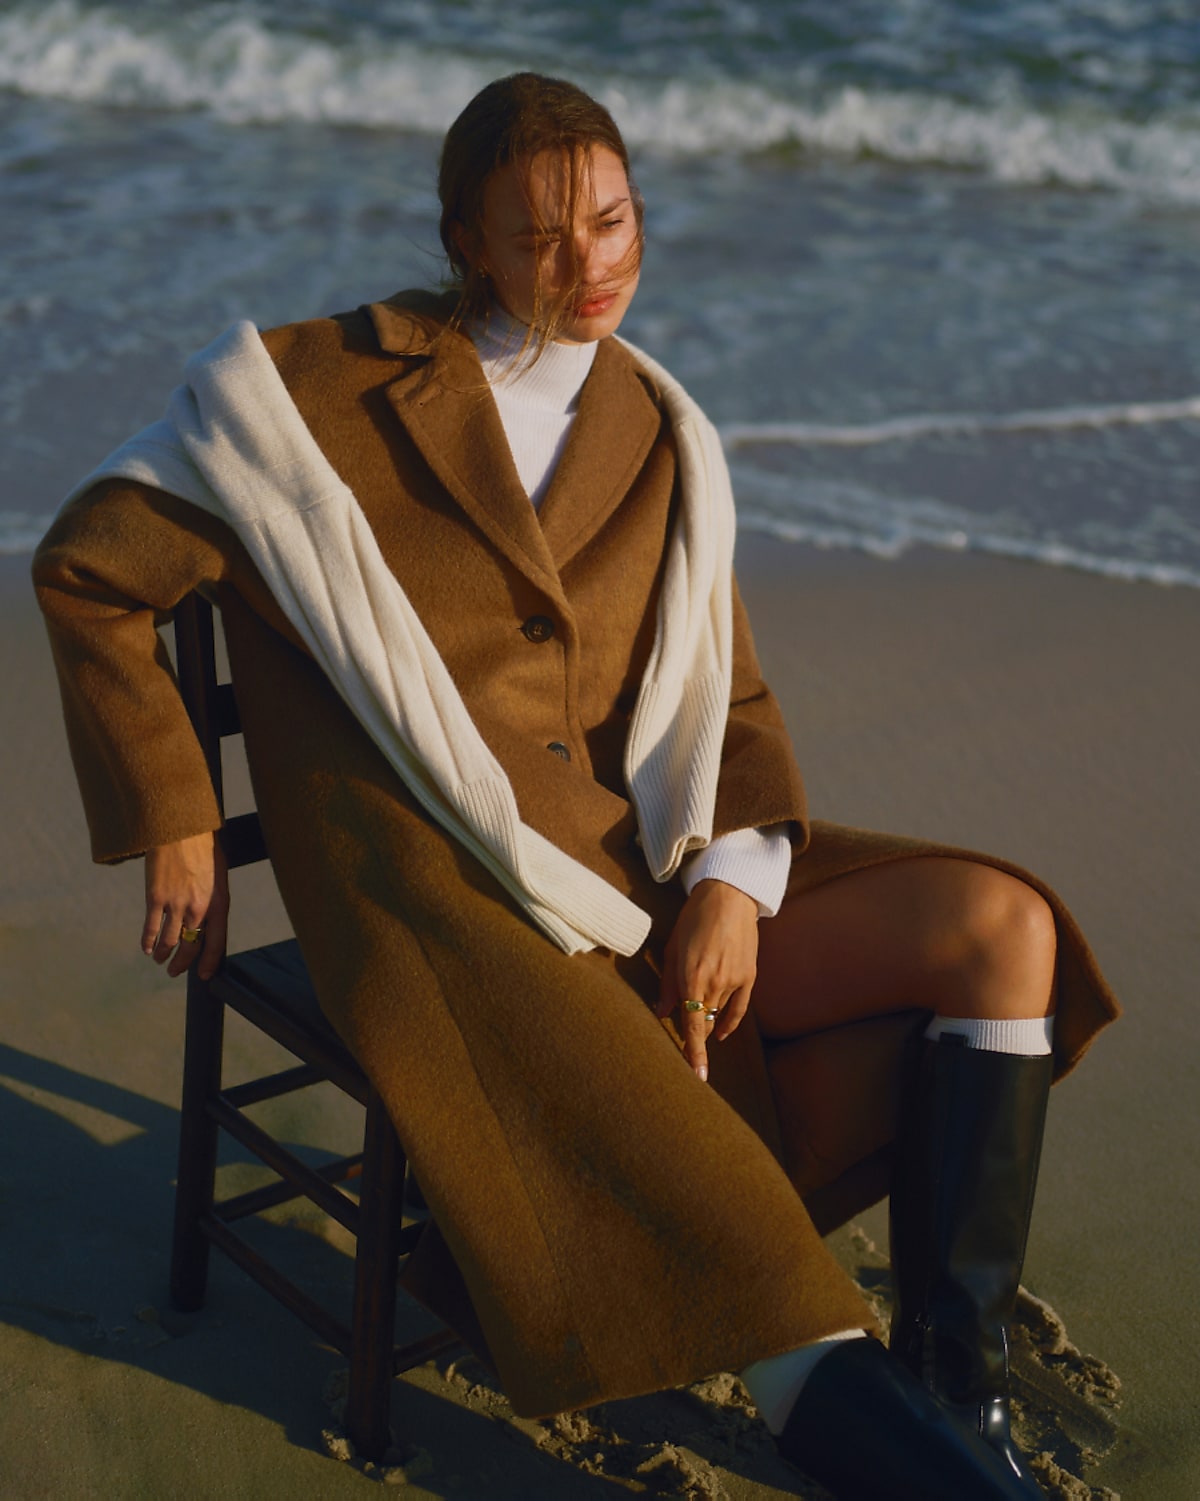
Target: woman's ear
467,246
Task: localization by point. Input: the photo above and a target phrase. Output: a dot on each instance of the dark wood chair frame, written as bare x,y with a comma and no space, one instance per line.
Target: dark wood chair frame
269,986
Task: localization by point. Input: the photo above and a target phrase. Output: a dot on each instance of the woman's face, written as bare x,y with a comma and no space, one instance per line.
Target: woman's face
523,261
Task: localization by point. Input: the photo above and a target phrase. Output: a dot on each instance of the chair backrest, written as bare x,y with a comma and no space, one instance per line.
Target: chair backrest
213,711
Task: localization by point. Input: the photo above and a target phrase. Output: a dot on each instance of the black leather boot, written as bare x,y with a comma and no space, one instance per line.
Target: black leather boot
868,1431
966,1161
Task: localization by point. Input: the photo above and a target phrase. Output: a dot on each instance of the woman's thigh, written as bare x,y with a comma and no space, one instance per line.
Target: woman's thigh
941,934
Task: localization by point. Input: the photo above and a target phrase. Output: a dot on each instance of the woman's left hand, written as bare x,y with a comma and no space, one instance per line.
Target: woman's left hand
711,957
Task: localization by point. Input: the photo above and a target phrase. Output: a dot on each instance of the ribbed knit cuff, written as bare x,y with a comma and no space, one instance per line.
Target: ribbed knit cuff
756,861
1028,1037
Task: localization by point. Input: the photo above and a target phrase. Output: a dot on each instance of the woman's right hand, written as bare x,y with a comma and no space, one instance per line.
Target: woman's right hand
187,886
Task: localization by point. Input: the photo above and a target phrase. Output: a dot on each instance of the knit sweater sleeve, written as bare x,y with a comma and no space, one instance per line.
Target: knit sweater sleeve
112,567
760,782
756,861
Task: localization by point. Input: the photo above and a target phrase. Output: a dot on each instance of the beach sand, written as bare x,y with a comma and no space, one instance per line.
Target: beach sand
1046,715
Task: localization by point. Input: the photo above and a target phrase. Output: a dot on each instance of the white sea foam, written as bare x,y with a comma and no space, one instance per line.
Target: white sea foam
933,424
244,71
838,512
233,67
892,542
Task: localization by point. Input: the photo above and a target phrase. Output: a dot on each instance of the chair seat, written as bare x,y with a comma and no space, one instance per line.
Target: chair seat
277,973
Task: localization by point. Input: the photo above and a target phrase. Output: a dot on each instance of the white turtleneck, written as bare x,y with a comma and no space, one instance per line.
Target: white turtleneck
538,401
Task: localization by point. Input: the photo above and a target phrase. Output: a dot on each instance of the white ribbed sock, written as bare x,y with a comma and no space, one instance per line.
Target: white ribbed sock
776,1382
1029,1036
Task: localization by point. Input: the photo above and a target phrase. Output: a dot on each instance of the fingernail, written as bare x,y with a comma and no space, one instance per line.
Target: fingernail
702,1073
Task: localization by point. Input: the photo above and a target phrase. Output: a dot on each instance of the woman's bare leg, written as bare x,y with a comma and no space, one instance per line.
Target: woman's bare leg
944,935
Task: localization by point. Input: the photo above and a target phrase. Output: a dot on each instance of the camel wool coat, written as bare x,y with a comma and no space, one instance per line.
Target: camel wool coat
583,1181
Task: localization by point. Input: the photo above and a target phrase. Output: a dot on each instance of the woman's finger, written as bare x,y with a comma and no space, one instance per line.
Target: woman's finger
731,1014
668,983
152,926
216,924
168,934
696,1014
192,934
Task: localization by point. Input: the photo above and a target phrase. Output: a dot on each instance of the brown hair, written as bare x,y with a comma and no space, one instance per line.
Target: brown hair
513,120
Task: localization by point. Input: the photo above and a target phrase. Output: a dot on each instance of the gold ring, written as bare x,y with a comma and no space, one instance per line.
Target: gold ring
711,1016
191,935
693,1005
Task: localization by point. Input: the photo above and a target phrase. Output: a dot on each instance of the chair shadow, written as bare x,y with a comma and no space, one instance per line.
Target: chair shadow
87,1268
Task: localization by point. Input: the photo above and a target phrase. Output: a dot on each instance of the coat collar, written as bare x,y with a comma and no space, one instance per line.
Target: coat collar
443,401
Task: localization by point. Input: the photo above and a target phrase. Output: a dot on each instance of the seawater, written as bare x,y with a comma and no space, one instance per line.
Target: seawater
929,265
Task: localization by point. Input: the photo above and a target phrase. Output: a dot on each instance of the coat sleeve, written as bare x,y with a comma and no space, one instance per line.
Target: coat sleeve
110,570
760,782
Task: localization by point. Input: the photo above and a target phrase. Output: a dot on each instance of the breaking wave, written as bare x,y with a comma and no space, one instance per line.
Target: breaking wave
243,70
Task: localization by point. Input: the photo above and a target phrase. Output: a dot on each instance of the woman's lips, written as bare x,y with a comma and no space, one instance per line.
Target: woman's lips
594,306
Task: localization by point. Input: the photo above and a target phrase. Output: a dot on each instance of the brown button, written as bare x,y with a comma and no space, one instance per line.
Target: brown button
538,628
560,749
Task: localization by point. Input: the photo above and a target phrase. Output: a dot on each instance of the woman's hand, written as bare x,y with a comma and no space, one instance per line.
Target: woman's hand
187,886
711,957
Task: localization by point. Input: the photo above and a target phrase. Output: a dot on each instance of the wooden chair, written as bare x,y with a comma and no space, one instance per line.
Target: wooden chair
270,987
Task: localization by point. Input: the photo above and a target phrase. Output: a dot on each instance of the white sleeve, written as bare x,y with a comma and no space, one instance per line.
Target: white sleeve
756,861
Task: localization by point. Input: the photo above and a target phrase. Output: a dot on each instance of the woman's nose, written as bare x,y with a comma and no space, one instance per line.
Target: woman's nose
590,257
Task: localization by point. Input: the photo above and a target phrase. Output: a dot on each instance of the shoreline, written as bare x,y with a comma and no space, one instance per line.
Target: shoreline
1044,714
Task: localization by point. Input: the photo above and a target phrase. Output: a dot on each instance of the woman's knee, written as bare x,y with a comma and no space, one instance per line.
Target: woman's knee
1005,940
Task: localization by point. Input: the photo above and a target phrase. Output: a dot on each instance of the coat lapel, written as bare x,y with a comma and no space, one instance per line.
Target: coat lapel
612,436
443,401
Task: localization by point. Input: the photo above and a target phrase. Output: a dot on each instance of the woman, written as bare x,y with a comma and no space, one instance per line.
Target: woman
538,826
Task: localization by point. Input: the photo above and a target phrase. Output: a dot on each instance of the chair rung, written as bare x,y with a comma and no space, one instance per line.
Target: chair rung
285,1163
231,991
271,1087
255,1200
404,1357
331,1330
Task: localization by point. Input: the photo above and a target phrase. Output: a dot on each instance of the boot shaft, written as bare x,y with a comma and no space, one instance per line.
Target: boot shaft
966,1161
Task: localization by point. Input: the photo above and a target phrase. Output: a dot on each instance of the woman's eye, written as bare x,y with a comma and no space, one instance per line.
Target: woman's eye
611,223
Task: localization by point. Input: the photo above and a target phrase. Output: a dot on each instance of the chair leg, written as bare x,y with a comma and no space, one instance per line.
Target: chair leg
204,1033
368,1400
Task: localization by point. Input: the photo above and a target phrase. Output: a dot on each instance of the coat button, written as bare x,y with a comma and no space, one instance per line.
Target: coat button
538,628
560,749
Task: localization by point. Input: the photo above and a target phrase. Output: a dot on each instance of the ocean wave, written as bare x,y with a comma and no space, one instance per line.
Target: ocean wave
243,70
825,511
937,424
892,542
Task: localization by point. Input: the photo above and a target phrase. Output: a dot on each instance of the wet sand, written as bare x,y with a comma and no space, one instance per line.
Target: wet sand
1045,715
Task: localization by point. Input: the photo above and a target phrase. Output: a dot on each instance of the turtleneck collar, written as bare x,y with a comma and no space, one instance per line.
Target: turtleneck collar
551,382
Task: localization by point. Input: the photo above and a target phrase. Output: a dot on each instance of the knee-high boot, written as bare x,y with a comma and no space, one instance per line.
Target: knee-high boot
966,1160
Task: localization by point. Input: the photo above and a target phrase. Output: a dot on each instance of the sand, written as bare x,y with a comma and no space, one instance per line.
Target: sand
1047,715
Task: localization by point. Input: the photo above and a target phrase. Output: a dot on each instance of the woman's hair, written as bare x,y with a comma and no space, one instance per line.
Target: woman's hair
513,120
